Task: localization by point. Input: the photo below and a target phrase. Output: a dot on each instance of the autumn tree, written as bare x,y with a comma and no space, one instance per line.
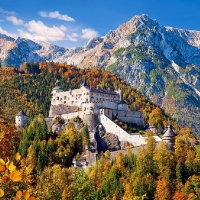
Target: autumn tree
156,118
162,190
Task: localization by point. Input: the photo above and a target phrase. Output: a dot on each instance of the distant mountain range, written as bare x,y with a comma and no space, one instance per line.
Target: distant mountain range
161,62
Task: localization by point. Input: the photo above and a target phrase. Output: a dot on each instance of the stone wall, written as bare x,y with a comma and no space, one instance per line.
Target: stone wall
131,117
135,139
72,115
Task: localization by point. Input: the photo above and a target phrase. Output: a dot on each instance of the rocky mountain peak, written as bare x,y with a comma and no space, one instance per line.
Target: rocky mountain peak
92,43
5,37
142,21
130,27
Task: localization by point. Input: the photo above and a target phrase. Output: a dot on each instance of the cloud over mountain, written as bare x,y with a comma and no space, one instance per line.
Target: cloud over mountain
39,31
15,21
56,15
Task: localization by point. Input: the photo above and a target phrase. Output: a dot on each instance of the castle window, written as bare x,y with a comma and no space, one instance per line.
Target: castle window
65,97
72,102
87,92
84,108
64,101
57,98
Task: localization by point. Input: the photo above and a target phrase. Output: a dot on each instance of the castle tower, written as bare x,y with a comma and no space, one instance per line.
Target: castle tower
122,105
56,89
169,137
20,119
54,99
84,84
91,155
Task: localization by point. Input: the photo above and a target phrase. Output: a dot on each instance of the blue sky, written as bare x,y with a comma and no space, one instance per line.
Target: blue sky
70,23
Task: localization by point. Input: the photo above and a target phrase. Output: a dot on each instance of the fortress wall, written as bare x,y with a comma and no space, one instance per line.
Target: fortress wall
133,120
130,117
72,115
111,127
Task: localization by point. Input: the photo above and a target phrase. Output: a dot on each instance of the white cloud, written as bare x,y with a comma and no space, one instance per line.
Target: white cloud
7,33
1,20
89,33
39,31
15,21
7,12
73,37
56,15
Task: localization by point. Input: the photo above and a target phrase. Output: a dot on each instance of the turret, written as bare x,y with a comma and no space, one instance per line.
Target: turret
122,105
57,86
55,90
84,84
20,119
169,137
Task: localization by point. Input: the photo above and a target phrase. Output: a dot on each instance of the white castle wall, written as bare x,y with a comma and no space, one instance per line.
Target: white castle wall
135,139
72,115
111,127
131,117
71,97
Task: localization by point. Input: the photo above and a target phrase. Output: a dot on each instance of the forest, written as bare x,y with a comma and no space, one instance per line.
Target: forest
36,163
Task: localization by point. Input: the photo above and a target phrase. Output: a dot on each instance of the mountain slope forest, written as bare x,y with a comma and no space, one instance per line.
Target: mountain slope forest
36,163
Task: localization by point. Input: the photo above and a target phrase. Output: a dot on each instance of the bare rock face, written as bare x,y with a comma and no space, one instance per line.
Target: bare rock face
106,141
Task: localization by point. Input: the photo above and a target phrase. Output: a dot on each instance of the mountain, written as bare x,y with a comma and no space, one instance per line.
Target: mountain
15,52
161,62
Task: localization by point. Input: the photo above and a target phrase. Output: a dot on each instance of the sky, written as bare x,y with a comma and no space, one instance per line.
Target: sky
71,23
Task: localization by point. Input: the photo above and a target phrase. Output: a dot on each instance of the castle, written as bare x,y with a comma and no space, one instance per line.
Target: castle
96,106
